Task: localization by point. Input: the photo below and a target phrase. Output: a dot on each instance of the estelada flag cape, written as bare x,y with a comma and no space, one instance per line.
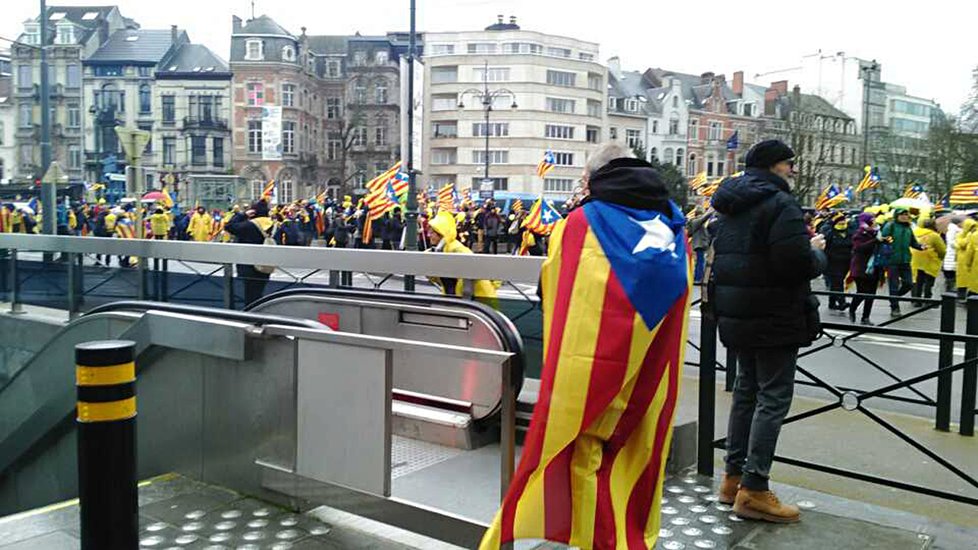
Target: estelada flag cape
615,290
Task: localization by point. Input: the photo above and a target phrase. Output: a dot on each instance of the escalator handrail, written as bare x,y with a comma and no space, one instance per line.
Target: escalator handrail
200,311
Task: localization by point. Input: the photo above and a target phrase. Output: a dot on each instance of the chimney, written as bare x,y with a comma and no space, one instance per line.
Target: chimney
174,34
614,67
706,78
501,18
738,83
796,96
235,24
512,19
781,86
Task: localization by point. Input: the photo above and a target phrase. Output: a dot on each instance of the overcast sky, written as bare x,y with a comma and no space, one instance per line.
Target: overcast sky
928,47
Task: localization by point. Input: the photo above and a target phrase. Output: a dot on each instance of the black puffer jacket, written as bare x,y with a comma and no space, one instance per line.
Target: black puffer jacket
763,263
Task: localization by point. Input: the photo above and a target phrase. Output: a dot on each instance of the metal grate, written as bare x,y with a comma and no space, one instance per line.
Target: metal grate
409,455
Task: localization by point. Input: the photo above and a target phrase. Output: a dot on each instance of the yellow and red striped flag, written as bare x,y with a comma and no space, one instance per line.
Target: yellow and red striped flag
542,217
268,191
964,193
546,164
380,182
446,198
615,295
517,206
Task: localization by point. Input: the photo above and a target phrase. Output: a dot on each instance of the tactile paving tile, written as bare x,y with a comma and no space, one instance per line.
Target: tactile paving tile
410,455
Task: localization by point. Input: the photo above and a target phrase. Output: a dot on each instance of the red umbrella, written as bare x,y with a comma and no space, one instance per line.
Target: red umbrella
153,196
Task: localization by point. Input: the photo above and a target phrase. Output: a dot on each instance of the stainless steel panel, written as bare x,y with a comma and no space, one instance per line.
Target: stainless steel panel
349,448
522,269
208,336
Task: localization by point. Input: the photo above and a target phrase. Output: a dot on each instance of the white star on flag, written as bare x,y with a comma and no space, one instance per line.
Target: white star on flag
548,216
657,236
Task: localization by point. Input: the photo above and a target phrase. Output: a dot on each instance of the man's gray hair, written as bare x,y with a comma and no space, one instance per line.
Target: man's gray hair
605,154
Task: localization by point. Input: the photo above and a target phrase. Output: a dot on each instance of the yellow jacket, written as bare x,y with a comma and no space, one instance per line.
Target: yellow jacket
159,224
200,227
444,225
966,254
929,261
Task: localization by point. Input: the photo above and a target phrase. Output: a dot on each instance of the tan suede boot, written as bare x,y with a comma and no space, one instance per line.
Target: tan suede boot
729,486
765,506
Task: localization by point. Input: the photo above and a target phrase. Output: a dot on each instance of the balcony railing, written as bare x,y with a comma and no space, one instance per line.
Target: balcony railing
210,123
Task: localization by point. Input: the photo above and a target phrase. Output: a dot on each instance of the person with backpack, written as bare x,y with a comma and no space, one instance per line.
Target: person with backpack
257,228
898,239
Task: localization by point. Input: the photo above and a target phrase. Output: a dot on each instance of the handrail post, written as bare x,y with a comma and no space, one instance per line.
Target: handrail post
409,283
970,385
108,497
945,358
16,308
165,281
72,286
141,268
731,370
228,286
334,278
708,378
507,431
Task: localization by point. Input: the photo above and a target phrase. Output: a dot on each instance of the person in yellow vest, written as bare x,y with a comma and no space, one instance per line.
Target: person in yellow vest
6,219
225,236
17,221
124,229
159,225
443,235
966,276
200,225
926,264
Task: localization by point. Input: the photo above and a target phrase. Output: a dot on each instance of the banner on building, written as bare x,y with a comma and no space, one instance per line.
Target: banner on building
271,132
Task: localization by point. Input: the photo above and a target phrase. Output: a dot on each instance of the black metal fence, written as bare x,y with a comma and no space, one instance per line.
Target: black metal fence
841,336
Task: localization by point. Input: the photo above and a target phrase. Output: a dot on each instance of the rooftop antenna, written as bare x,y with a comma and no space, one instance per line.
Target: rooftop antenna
252,9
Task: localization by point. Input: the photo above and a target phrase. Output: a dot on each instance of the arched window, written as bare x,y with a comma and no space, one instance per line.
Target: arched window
110,97
258,181
667,156
145,99
679,157
380,92
654,153
285,188
288,53
675,102
691,166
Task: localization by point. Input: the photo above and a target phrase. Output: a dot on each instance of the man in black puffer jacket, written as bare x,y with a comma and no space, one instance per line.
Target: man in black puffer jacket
764,260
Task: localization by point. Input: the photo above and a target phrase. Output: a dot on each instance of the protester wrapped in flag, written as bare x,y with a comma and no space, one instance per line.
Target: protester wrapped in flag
829,198
964,193
615,295
379,202
546,164
871,179
913,191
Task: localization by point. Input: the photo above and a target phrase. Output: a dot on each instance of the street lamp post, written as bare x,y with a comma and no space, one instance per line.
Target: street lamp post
49,221
486,97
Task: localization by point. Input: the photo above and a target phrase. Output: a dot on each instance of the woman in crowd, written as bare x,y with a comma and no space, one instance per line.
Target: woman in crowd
862,268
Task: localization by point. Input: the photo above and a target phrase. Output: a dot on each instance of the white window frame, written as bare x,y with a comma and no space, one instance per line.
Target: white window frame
381,97
251,55
716,130
633,137
444,156
334,108
563,158
558,131
288,137
495,74
288,53
495,129
333,68
551,102
359,137
380,135
381,57
255,101
436,127
254,136
288,94
559,185
496,156
564,79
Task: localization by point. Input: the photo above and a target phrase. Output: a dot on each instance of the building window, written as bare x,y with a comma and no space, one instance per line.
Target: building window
558,185
561,78
655,126
288,137
694,128
26,115
679,157
359,58
333,68
169,151
444,102
586,56
441,75
286,189
218,152
633,138
288,95
748,109
612,133
482,47
27,155
333,149
254,136
593,134
360,94
108,70
359,137
73,75
380,94
498,184
198,150
710,161
522,47
716,130
65,34
564,159
440,49
556,131
558,52
495,157
74,157
256,94
145,99
254,50
557,105
593,108
380,135
145,72
381,58
594,81
74,115
667,154
494,74
25,76
444,156
333,108
612,104
288,53
169,108
631,105
444,129
494,129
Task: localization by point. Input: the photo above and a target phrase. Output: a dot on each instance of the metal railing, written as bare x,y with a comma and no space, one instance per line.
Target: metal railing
840,336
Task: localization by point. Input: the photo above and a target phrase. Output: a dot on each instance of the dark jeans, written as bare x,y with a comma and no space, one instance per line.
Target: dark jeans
864,285
254,283
950,281
700,267
491,245
924,287
761,399
900,280
837,283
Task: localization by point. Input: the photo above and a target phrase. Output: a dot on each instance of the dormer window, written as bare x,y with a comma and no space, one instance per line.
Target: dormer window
631,105
288,53
254,50
66,33
380,58
32,33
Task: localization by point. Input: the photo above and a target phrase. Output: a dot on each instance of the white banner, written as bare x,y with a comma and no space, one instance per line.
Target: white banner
271,132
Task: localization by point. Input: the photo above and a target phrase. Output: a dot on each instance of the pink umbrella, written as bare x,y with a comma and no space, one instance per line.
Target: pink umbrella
153,196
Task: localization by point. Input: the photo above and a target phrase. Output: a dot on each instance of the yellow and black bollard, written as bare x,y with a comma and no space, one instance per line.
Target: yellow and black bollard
107,493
